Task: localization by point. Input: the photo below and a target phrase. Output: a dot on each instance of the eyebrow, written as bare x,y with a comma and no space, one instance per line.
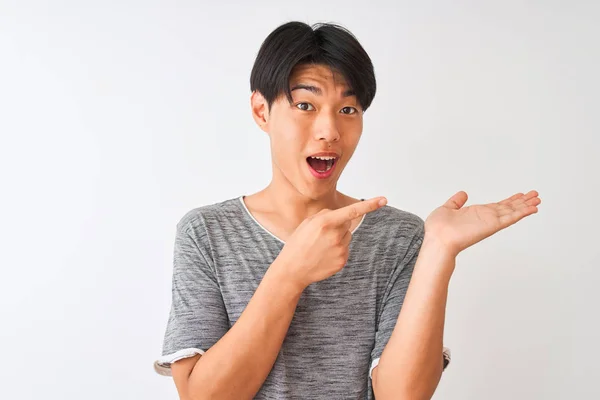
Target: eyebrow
318,91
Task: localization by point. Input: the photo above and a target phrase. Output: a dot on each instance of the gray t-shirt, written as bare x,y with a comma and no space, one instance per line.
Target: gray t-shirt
341,324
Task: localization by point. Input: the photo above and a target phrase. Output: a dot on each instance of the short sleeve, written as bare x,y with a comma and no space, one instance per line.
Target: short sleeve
197,318
394,298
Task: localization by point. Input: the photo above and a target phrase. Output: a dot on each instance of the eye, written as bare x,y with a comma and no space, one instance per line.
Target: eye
349,110
305,106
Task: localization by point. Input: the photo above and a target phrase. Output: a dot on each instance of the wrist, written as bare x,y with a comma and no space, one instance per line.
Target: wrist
438,246
436,256
280,273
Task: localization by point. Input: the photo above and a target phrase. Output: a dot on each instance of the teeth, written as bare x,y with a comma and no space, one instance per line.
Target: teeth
324,158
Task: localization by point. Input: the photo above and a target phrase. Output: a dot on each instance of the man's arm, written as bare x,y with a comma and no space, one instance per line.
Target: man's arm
411,363
237,365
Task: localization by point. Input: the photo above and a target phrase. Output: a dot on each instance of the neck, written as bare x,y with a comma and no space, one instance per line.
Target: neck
294,206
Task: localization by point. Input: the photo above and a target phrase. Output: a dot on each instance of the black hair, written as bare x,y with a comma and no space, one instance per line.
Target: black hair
296,43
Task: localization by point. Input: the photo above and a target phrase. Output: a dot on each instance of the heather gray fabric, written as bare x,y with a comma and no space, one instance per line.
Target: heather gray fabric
341,324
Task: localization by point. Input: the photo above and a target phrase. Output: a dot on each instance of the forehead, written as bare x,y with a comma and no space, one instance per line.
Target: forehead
320,74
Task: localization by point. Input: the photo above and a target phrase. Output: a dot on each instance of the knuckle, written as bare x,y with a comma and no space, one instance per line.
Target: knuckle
324,221
323,224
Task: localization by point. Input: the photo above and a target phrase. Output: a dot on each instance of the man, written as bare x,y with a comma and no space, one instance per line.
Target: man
302,292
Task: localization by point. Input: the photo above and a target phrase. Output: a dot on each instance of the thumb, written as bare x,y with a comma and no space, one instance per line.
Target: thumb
457,201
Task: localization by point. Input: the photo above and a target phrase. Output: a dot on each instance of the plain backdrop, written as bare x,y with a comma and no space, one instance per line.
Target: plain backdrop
117,117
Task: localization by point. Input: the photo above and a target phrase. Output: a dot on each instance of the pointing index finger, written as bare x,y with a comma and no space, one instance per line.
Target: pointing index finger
356,210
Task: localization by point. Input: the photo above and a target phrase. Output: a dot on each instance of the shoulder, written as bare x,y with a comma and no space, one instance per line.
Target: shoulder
397,233
199,219
403,222
393,235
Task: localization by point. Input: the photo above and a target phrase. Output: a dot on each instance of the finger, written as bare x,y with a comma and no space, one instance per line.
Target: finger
457,201
521,198
358,209
511,198
536,201
509,208
517,215
531,194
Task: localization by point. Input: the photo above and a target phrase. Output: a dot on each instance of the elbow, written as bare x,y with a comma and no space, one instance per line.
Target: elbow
382,392
383,389
199,389
400,394
403,389
381,395
195,394
204,390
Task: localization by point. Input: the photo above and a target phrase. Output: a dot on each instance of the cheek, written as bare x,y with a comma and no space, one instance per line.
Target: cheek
287,146
289,136
352,133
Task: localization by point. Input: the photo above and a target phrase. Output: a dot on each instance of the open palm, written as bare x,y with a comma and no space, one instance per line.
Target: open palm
459,227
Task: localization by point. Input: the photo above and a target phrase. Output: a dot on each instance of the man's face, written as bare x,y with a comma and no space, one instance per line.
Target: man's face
323,118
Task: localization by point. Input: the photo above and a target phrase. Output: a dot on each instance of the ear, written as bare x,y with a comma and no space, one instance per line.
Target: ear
260,111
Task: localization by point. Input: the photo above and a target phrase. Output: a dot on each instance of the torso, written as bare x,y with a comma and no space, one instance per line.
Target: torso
340,324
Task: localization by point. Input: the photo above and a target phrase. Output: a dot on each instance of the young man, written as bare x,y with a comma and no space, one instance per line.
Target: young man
302,292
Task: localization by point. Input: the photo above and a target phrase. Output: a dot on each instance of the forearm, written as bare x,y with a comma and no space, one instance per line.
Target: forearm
411,363
238,364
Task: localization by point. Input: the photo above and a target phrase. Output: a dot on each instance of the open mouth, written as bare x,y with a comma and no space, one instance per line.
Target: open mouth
321,166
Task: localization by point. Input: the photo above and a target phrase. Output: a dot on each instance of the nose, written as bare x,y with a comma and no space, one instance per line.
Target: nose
326,128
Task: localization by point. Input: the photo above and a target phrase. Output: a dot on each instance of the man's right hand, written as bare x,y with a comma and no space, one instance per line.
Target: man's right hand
318,248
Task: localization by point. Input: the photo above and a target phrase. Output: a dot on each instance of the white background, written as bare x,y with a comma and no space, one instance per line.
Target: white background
118,117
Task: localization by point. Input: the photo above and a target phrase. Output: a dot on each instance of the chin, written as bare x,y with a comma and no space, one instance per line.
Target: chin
316,192
310,187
